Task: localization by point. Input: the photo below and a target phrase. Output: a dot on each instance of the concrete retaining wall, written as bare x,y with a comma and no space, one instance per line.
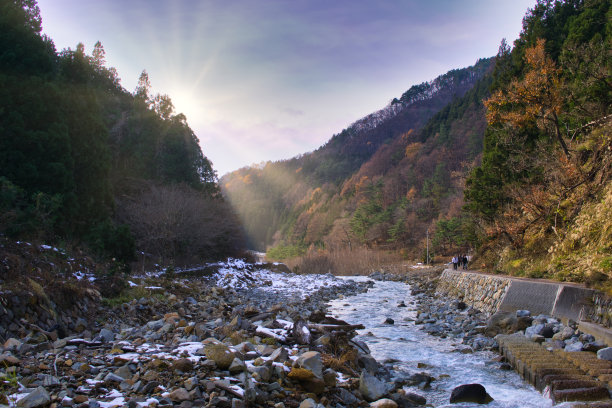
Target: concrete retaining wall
491,293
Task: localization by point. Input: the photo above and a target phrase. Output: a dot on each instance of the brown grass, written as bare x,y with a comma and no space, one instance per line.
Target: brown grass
359,261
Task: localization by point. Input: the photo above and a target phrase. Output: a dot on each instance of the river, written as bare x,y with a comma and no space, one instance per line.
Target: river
406,346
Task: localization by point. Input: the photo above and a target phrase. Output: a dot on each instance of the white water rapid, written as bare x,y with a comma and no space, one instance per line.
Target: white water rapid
407,346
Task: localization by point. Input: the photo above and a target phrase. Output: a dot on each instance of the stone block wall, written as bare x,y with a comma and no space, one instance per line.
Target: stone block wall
20,312
483,292
600,310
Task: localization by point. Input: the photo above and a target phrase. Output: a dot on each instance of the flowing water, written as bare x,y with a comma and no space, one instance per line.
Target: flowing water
407,346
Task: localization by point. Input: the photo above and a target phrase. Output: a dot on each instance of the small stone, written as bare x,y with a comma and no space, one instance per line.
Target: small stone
605,354
383,403
106,336
80,398
389,320
577,346
180,394
183,364
12,344
124,372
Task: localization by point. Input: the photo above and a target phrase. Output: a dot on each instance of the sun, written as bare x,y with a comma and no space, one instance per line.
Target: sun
188,102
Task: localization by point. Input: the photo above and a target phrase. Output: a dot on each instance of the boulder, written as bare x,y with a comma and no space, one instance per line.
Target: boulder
220,354
37,398
311,360
389,320
371,387
470,393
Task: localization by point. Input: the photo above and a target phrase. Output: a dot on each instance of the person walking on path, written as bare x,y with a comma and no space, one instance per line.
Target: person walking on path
455,261
465,262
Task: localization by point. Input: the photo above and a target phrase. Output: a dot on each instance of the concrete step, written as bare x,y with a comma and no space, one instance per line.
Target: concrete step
563,376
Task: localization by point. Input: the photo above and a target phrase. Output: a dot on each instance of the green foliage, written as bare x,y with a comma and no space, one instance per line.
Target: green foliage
455,234
73,140
281,252
113,241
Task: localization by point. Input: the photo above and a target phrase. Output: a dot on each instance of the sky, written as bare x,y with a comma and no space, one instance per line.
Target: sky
267,80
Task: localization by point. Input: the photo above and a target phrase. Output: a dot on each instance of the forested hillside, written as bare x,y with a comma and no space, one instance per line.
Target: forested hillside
541,195
380,182
84,162
510,163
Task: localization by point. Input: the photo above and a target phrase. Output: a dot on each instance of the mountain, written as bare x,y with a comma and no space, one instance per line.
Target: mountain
509,160
319,198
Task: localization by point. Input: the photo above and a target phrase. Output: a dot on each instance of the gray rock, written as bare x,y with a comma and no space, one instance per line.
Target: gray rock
368,362
237,366
533,330
311,360
523,313
605,354
565,333
112,377
37,398
347,397
280,355
180,394
106,336
371,387
576,346
49,380
124,372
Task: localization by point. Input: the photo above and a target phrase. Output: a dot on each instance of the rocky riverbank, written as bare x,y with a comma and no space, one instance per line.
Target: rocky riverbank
231,336
445,316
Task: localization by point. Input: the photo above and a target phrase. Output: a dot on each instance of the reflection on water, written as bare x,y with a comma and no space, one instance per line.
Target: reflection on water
405,345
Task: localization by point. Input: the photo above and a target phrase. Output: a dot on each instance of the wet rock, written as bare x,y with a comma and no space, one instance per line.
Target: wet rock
37,398
389,320
371,387
368,362
470,393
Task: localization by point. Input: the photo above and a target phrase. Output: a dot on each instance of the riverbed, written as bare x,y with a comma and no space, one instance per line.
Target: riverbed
410,350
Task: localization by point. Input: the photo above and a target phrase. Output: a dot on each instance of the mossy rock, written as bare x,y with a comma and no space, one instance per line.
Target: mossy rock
300,374
220,354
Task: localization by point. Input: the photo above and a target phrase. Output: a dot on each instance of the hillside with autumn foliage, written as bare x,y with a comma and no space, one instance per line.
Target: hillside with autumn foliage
378,183
508,160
